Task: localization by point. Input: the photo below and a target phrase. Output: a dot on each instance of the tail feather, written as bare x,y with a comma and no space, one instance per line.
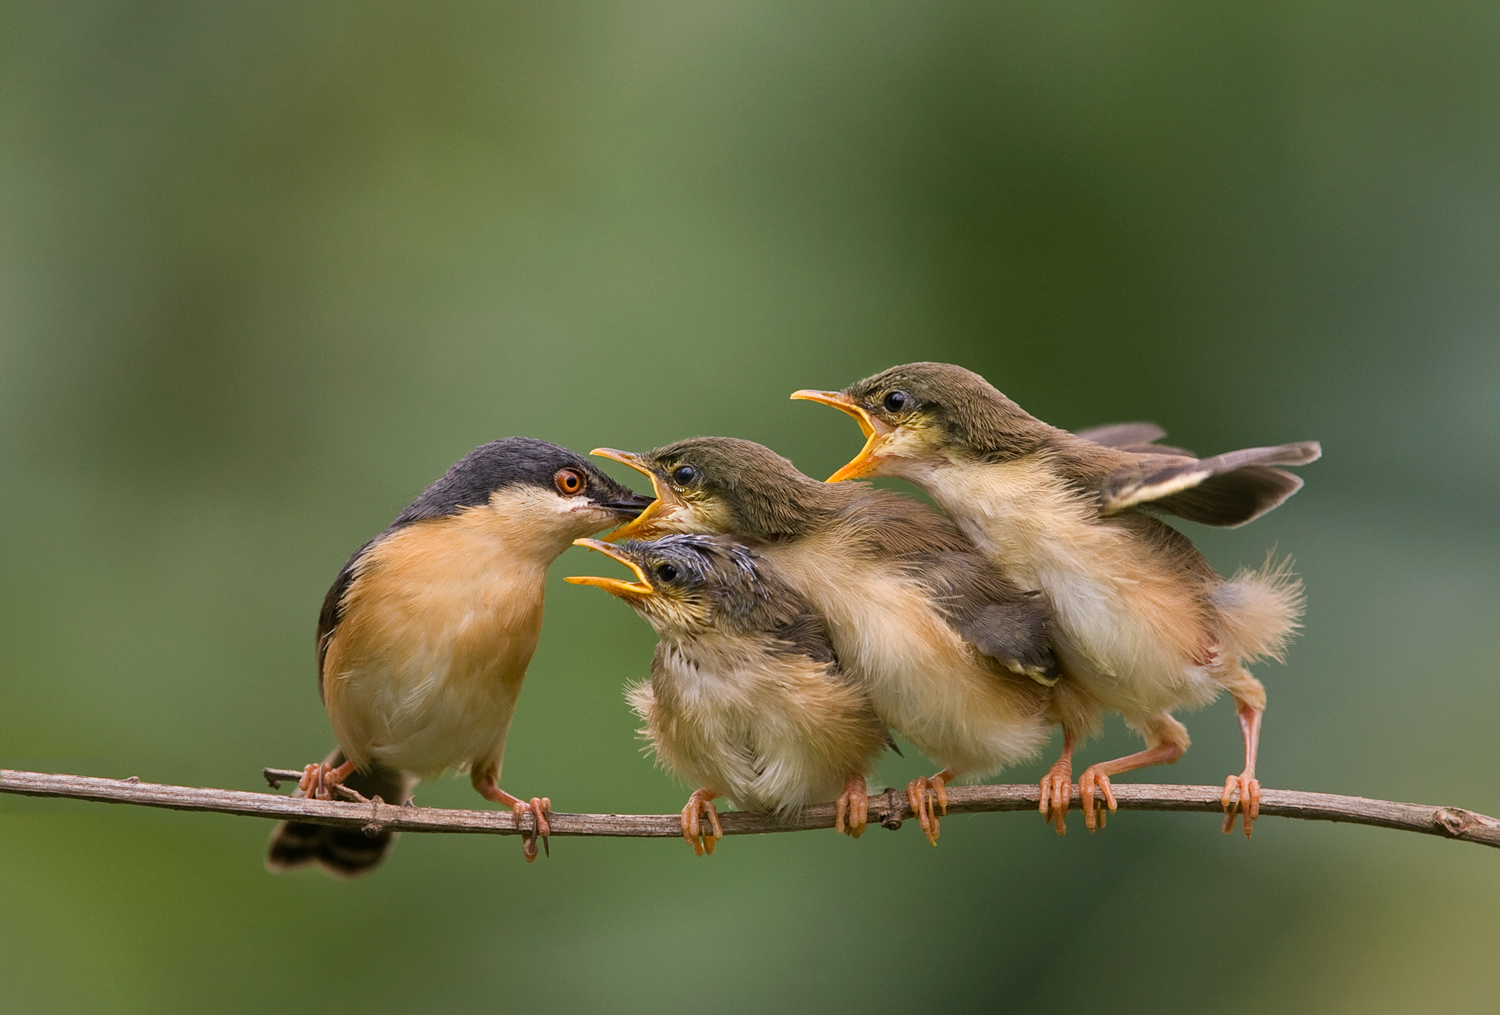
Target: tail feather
1260,611
342,852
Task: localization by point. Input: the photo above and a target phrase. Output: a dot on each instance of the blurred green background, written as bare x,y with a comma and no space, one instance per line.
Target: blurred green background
267,269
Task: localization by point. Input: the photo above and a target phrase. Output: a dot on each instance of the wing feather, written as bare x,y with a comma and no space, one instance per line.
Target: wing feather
1227,490
1004,622
1122,435
333,606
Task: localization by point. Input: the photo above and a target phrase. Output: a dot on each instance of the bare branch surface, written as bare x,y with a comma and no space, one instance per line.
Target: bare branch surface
889,808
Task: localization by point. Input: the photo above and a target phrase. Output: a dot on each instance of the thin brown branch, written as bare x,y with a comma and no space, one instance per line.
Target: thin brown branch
889,808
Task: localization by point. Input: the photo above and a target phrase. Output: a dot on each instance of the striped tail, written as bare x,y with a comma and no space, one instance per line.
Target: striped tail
342,852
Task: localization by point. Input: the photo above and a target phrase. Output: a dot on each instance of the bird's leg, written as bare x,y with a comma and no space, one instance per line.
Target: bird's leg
921,794
855,803
1242,792
695,829
318,780
538,807
1169,741
1096,777
1057,786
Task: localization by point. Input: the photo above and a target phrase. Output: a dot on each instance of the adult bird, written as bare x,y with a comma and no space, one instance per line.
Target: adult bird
1144,624
747,699
954,656
425,636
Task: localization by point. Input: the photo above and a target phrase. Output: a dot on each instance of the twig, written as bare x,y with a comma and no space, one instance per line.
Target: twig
889,808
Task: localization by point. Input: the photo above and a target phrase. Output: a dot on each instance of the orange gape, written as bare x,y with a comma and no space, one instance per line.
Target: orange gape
747,699
953,654
1143,625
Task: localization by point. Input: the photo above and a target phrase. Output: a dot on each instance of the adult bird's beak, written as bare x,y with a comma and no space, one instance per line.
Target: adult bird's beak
876,432
665,503
630,508
614,586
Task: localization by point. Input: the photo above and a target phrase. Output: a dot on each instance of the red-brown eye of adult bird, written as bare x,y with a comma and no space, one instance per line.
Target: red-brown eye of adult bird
568,481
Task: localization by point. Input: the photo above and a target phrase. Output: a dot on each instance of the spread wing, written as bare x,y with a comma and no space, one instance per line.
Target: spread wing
1228,490
992,613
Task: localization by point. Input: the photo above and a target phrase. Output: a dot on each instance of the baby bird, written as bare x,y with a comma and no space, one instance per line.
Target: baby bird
953,655
1144,624
747,698
425,636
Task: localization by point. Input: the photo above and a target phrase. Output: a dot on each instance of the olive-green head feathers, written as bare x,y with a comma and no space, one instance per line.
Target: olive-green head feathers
924,412
724,485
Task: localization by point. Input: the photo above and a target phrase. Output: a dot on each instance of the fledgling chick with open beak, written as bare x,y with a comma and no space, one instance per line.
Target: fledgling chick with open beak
953,656
425,636
746,698
1144,624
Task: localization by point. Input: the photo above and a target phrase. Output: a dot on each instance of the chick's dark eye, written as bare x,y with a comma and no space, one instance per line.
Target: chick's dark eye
684,474
568,481
895,401
666,572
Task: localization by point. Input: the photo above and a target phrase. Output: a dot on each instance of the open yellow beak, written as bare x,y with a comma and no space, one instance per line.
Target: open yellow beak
665,503
876,432
614,586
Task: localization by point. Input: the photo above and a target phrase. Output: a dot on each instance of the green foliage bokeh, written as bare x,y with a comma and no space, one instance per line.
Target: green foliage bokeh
267,269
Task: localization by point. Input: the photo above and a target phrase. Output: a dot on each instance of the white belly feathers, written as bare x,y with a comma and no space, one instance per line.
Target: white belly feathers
1129,639
723,717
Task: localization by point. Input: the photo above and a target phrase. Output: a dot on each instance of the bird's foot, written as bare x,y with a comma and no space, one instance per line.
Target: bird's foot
700,822
853,803
1241,796
318,780
922,794
1094,778
311,781
1057,795
540,808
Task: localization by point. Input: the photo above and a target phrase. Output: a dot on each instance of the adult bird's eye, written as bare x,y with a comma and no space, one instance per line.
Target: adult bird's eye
896,401
684,474
568,481
666,572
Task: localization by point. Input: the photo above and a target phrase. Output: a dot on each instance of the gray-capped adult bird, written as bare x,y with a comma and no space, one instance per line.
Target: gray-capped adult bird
425,636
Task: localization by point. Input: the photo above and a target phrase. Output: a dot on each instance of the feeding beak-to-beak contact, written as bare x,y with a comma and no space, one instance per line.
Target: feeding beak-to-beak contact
665,499
614,586
876,432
